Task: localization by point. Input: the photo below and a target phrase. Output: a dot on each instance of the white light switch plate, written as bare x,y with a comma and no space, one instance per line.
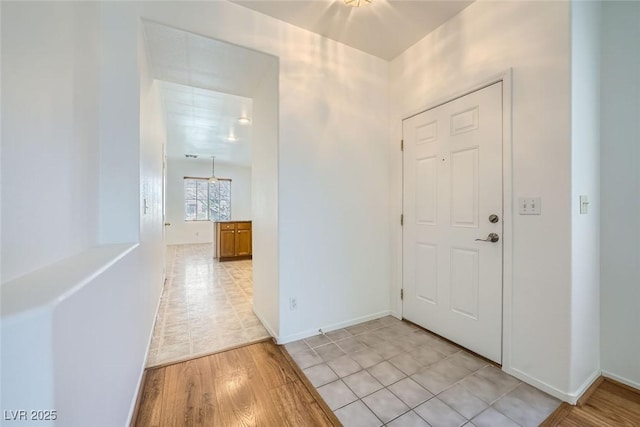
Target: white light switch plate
584,204
530,205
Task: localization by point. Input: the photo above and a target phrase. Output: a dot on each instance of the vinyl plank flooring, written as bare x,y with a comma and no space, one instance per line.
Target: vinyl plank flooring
611,404
274,368
254,385
299,408
152,399
241,401
189,395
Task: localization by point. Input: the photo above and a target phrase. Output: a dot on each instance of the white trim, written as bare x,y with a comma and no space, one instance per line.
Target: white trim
507,220
331,327
481,83
620,379
506,78
266,324
571,398
146,355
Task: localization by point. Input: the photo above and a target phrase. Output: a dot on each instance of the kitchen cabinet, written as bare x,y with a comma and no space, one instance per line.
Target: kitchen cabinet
232,240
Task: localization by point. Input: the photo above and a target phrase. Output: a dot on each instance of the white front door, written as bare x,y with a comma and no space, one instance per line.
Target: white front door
452,196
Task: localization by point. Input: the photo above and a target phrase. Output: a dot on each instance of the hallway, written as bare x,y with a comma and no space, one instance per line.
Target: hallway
206,306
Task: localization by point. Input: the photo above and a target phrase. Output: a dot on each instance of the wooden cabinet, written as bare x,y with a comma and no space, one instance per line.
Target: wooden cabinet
232,240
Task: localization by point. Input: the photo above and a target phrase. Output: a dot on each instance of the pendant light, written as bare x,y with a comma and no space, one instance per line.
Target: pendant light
213,170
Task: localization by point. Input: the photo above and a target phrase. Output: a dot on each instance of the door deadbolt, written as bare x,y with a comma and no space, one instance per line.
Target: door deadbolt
493,218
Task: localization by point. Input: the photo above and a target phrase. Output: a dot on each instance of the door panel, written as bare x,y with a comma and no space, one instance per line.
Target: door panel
426,272
426,190
427,133
243,242
464,188
464,281
452,183
227,243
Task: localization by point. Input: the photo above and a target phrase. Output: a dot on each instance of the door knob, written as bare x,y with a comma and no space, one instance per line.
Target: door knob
167,224
492,237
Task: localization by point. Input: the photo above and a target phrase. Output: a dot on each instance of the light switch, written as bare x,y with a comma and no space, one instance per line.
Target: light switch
530,205
584,204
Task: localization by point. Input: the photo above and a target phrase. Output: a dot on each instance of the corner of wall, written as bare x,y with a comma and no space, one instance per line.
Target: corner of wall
585,183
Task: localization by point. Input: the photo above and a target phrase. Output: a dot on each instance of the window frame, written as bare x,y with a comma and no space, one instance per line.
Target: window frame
208,197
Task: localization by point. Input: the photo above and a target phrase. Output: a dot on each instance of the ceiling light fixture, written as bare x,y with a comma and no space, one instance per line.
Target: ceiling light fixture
356,3
232,138
244,120
213,170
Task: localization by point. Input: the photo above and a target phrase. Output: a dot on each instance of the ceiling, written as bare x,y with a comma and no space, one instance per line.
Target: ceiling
200,122
193,60
384,28
206,86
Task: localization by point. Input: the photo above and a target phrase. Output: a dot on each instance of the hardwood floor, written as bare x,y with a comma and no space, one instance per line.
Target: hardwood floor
611,404
256,385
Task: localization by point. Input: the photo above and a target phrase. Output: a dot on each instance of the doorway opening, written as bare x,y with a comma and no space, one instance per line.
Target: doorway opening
220,105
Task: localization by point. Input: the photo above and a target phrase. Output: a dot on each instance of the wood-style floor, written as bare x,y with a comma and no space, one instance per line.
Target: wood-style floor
611,404
256,385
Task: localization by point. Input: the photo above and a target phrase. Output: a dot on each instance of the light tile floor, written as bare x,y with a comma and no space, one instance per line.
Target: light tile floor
390,372
206,306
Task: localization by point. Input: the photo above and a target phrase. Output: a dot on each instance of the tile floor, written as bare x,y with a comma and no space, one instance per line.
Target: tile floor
206,306
389,372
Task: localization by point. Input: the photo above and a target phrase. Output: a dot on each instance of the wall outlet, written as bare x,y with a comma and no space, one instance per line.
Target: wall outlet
293,304
530,205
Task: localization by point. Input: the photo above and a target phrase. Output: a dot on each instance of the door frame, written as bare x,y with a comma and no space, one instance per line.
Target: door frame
507,200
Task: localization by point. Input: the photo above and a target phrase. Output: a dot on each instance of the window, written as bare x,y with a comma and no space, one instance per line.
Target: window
206,201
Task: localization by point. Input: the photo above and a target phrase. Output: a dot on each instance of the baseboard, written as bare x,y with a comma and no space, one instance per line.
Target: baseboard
133,417
621,380
571,398
331,327
584,398
593,378
266,325
181,243
133,410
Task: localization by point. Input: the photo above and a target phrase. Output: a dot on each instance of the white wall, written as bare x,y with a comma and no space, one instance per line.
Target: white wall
50,134
184,232
119,130
533,38
585,180
102,324
266,293
91,133
151,145
1,134
620,156
332,161
333,185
